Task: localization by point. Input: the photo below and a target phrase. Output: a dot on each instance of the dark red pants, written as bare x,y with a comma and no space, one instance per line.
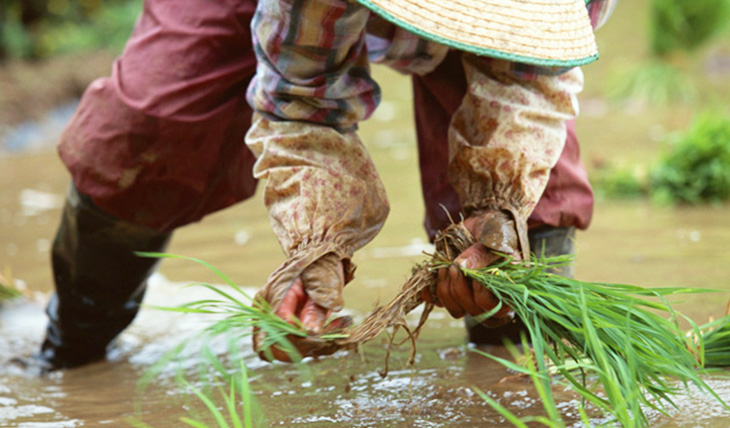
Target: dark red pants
160,143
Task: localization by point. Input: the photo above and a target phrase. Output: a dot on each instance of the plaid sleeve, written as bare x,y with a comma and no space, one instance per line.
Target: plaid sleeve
400,49
599,11
312,62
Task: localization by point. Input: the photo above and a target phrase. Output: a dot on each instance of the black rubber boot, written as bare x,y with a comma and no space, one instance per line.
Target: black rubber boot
100,282
553,241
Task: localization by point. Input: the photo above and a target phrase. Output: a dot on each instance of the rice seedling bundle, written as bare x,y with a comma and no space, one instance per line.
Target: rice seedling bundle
713,342
620,351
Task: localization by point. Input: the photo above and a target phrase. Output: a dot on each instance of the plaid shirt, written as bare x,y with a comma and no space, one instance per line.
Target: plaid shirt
313,86
296,80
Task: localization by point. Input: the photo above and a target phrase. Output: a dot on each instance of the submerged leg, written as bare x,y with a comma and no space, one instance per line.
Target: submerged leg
100,281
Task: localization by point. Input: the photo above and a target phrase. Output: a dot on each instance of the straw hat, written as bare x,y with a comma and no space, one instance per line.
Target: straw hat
540,32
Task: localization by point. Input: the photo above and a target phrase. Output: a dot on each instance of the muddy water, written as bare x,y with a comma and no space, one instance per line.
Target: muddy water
631,242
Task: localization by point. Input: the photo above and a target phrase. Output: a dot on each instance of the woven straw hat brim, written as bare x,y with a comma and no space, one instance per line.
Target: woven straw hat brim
540,32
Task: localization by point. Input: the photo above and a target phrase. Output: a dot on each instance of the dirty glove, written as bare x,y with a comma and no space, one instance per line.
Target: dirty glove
495,232
307,289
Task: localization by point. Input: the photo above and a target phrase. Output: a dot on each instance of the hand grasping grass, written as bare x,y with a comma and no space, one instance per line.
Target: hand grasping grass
631,354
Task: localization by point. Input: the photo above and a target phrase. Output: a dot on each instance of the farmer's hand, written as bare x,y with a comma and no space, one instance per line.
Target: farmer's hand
313,296
494,231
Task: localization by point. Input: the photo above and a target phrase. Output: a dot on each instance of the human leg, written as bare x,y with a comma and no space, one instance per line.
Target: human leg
157,145
99,280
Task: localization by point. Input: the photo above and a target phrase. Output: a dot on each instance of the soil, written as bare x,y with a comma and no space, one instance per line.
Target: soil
28,89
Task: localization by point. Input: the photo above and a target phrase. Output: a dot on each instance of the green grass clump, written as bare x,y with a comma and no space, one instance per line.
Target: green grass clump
620,182
716,342
7,290
629,357
237,314
45,29
681,25
697,168
528,366
678,31
656,81
240,409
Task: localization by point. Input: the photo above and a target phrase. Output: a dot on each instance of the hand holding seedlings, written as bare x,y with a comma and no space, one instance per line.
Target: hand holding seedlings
495,232
306,301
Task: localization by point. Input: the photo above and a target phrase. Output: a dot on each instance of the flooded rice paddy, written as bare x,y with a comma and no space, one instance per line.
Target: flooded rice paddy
629,241
632,242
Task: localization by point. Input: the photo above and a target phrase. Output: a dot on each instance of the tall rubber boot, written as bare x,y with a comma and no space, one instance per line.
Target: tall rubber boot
100,282
553,241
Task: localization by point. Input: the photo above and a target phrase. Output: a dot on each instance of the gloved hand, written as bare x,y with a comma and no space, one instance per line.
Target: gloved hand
310,295
494,231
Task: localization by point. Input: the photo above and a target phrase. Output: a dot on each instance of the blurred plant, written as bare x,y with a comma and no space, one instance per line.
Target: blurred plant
231,389
697,167
681,25
107,28
620,182
655,80
716,342
40,28
678,30
7,286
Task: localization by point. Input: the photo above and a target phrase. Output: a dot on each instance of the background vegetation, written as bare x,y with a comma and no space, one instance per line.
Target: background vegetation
33,29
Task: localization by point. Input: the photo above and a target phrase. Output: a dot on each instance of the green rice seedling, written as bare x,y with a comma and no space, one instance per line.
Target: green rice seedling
7,289
618,181
618,350
714,345
696,169
678,31
236,313
654,80
542,382
630,357
240,409
235,316
235,389
680,25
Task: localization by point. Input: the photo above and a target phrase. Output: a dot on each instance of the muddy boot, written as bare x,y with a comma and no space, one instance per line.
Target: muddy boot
555,241
100,282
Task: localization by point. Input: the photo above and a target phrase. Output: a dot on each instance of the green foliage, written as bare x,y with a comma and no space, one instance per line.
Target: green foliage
15,41
682,25
716,342
620,182
611,332
240,410
236,313
654,81
697,168
235,388
235,316
678,29
42,28
542,383
108,28
7,290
